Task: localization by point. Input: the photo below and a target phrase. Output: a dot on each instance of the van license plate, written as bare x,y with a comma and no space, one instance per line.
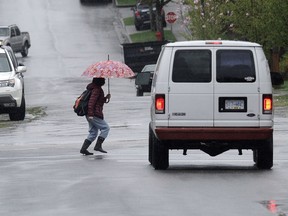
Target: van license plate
232,104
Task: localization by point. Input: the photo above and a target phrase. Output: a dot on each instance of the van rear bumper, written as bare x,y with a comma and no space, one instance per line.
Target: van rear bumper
205,134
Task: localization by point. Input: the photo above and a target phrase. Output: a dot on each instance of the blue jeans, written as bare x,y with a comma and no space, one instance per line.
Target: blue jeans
95,125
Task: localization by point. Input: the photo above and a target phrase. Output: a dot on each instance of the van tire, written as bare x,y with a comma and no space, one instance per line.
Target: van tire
150,143
160,154
263,156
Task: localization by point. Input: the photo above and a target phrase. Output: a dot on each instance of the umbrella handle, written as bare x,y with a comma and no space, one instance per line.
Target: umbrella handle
108,86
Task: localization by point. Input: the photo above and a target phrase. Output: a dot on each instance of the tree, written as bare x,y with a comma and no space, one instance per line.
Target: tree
159,22
261,21
206,19
159,4
264,22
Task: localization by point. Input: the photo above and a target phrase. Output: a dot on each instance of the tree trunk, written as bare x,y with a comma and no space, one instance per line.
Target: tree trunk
275,59
152,18
159,21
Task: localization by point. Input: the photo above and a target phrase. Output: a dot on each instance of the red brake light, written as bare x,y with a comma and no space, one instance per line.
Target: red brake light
137,14
267,104
214,42
160,104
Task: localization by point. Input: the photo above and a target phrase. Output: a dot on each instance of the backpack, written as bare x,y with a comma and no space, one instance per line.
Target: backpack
81,104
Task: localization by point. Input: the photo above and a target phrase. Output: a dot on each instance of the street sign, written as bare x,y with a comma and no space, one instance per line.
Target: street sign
171,17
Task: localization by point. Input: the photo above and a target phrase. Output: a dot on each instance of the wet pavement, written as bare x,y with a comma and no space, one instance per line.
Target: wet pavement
42,172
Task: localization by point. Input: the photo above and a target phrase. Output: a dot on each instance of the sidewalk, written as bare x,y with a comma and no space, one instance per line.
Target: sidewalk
177,29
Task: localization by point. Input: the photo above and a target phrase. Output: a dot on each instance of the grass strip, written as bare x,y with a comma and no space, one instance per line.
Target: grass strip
151,36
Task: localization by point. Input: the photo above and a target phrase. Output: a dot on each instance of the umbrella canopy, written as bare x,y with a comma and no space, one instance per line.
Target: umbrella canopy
108,69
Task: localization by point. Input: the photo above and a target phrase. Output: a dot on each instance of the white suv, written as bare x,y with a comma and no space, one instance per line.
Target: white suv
213,96
12,100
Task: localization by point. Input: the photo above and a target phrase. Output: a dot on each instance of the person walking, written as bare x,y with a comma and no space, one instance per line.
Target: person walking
95,117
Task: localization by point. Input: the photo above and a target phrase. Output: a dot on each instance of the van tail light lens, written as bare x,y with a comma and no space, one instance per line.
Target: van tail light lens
214,42
267,104
160,104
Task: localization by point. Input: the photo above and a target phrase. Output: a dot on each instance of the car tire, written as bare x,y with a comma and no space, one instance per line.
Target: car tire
160,154
137,27
139,92
19,115
24,52
263,155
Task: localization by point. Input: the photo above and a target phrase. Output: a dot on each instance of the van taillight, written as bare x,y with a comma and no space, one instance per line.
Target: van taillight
160,104
267,104
214,42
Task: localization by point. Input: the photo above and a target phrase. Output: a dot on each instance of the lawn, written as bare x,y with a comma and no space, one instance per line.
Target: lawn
151,36
143,36
281,95
126,2
128,21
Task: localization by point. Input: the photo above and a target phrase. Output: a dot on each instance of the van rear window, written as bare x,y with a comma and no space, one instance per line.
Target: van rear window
192,66
235,66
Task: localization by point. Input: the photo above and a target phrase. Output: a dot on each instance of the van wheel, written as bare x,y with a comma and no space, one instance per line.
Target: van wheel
139,92
19,115
254,155
160,154
150,140
24,51
263,156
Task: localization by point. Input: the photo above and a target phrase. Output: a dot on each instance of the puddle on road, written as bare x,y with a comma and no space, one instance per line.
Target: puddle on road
35,113
32,113
276,207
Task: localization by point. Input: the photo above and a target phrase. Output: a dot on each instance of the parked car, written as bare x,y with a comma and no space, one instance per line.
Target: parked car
141,14
12,99
213,96
143,80
12,36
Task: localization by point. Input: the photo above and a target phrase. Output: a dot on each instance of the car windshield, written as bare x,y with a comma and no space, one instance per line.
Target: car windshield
4,31
143,6
4,63
149,68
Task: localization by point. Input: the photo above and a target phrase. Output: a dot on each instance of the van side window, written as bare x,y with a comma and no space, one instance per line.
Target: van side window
235,66
192,66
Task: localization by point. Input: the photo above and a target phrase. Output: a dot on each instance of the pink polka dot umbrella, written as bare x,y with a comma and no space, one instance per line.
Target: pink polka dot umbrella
109,69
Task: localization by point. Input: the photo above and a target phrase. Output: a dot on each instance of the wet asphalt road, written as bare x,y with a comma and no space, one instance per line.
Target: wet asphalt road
42,172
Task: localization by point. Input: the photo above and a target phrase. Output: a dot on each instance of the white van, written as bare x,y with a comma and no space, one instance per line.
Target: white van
213,96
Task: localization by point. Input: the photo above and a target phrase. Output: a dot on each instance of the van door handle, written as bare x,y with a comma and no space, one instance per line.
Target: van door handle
251,115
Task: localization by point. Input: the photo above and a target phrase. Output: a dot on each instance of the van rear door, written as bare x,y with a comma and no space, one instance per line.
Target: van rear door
191,97
236,92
